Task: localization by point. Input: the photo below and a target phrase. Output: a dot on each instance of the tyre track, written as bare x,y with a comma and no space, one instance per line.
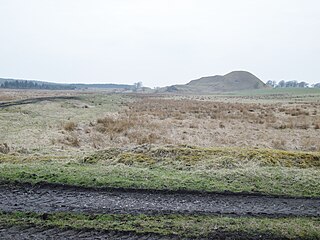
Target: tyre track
25,233
35,233
46,199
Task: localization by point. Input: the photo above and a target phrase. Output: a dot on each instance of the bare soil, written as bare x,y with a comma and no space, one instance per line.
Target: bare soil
24,233
46,199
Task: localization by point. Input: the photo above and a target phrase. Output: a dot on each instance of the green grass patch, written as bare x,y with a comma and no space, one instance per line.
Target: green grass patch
183,226
266,180
263,171
283,91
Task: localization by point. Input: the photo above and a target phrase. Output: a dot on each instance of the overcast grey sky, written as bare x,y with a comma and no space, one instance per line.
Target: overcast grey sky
158,42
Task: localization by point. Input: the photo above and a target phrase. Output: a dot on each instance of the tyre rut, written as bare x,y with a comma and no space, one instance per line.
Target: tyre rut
46,199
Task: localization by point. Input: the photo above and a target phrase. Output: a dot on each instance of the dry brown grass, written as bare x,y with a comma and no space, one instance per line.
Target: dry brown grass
71,140
207,123
4,148
141,119
184,109
279,144
70,126
130,129
277,116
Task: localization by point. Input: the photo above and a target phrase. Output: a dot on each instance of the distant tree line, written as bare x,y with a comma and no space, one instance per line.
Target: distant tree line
291,84
24,84
316,85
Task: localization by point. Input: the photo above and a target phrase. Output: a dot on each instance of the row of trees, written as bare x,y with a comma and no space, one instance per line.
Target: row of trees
23,84
291,84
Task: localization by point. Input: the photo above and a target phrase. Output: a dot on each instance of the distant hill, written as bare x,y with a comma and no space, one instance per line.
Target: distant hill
234,81
102,86
34,84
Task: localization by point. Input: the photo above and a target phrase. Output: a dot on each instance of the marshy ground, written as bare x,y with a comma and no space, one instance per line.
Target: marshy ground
261,148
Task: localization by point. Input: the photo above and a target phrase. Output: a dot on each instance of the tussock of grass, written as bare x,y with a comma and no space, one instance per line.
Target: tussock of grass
16,159
208,158
4,148
70,126
182,226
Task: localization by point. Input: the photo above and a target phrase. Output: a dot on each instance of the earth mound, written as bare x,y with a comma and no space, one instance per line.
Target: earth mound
234,81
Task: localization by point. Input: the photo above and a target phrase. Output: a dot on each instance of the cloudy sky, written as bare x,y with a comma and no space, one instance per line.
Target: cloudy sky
158,42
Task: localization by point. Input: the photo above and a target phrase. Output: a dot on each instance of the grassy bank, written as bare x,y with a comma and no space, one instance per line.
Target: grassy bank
182,226
176,168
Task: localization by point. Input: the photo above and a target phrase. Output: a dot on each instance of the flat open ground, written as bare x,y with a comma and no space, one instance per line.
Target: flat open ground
240,165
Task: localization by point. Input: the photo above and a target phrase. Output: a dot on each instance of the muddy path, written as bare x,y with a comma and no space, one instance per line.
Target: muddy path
35,100
24,233
46,199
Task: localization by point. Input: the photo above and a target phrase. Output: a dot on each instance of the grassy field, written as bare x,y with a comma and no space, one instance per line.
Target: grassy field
176,225
264,142
42,127
315,92
271,172
94,121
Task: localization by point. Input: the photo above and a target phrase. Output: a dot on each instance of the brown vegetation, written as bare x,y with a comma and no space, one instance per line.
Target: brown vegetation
70,126
130,128
71,140
206,121
150,120
4,148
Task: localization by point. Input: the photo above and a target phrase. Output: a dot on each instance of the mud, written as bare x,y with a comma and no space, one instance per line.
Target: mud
26,233
34,100
46,199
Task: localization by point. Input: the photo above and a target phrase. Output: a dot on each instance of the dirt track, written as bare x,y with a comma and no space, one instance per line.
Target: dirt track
19,233
26,233
34,100
47,199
